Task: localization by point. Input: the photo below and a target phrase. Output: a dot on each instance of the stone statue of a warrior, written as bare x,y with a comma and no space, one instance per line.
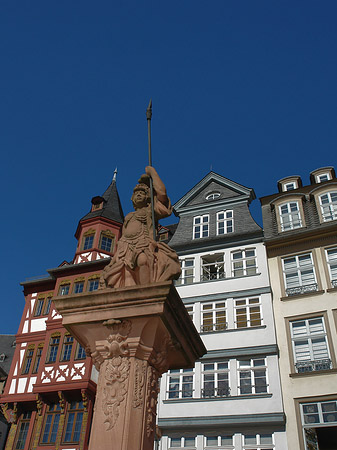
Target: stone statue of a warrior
139,259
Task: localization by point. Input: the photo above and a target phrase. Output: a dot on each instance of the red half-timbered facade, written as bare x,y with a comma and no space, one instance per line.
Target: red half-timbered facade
50,391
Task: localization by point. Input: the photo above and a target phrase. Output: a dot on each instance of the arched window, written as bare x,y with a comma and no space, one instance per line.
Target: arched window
328,203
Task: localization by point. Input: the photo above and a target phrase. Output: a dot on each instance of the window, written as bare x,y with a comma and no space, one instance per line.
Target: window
299,274
225,222
53,348
68,341
78,287
290,216
80,352
107,241
93,284
322,413
215,379
190,310
39,306
247,312
64,289
28,359
51,424
244,262
187,271
213,196
328,204
212,267
88,241
22,430
74,422
258,442
2,357
37,358
180,383
219,441
310,347
252,375
290,186
331,255
323,177
47,306
200,226
213,316
182,442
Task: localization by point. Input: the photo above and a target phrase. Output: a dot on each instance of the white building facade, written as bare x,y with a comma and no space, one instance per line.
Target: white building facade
231,399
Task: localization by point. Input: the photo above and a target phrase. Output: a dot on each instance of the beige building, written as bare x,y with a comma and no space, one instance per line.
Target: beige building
300,225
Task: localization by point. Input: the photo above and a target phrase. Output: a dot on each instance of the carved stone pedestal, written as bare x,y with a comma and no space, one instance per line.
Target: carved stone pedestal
133,335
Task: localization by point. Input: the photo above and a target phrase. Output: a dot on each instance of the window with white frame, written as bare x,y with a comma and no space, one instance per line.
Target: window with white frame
212,267
258,442
215,379
180,383
247,312
290,216
252,376
244,262
328,203
182,442
215,441
187,271
310,345
200,226
213,316
319,413
331,255
323,177
299,274
290,186
224,222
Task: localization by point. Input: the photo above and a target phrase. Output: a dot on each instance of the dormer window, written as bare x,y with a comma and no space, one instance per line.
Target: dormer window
290,186
2,357
321,175
97,203
225,222
200,226
213,195
290,216
328,203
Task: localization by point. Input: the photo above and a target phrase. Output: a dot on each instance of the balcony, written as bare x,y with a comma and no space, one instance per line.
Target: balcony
313,366
302,289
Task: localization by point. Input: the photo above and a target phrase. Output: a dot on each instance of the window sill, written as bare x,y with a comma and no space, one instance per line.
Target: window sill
216,399
202,333
313,373
305,294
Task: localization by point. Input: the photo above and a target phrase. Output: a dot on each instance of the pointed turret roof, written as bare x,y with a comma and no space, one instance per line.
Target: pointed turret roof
112,208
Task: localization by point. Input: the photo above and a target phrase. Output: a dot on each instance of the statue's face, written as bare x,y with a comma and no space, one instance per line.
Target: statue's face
139,198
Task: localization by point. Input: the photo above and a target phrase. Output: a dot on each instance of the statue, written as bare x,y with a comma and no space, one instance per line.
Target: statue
139,259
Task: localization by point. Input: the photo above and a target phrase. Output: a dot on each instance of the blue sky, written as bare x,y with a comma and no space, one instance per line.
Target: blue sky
245,88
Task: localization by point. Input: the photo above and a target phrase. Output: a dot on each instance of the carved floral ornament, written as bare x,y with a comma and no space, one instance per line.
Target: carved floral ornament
11,415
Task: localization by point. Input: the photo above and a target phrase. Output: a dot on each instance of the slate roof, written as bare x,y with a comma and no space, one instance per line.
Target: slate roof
112,208
7,348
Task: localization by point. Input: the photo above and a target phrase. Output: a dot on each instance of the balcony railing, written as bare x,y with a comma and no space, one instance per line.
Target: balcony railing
213,276
302,289
215,392
209,328
312,366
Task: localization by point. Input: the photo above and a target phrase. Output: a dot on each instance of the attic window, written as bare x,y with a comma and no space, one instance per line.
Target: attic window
213,196
97,203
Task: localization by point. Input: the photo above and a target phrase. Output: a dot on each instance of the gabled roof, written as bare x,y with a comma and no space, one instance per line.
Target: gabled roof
112,208
230,192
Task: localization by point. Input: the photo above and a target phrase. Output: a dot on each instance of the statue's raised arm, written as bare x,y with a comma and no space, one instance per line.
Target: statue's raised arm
139,259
